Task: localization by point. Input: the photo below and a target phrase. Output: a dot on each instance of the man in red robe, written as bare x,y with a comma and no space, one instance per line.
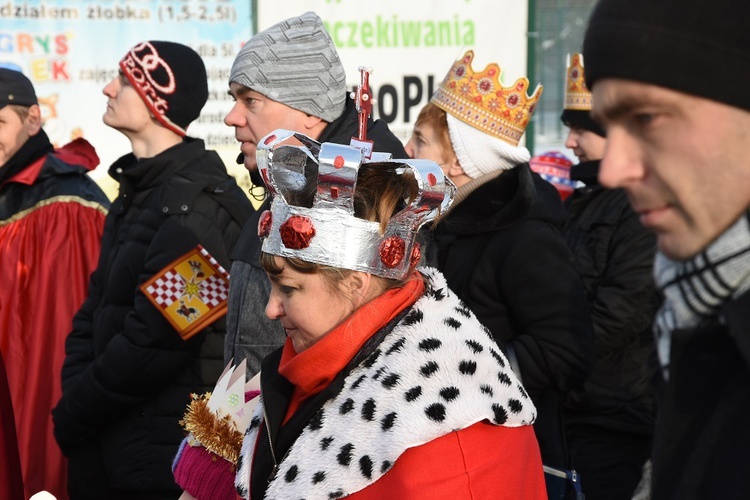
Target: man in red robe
51,222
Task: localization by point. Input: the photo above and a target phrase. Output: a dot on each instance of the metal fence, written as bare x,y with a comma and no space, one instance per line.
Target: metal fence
556,28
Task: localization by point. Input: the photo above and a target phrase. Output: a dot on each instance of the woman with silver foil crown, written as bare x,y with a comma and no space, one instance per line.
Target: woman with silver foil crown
387,385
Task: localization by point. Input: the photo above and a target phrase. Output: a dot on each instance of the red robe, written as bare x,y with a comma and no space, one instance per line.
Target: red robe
49,245
11,483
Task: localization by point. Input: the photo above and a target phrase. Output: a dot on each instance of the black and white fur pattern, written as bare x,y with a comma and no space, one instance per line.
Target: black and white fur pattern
436,372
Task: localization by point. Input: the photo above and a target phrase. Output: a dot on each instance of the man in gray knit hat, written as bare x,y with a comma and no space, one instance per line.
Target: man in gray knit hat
288,76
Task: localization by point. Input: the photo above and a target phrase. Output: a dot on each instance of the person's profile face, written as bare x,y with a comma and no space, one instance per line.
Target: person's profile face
14,132
254,116
585,144
425,144
125,109
306,306
681,159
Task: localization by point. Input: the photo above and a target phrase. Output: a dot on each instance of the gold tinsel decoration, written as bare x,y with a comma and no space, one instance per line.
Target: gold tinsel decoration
219,435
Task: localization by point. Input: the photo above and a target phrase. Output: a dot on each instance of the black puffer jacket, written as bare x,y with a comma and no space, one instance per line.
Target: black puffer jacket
128,375
501,252
614,255
700,446
250,334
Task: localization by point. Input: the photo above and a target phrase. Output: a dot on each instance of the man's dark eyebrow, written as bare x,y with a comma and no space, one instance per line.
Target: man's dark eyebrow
620,109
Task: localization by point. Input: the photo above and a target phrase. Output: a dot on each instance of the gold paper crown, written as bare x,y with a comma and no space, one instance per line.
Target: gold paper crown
480,100
577,95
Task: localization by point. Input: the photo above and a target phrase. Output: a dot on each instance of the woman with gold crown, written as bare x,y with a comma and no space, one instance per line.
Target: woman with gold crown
387,385
500,246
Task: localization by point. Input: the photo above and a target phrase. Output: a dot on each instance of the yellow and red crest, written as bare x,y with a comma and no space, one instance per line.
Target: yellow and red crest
192,292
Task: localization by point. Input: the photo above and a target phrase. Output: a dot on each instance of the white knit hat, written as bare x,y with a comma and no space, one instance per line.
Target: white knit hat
480,153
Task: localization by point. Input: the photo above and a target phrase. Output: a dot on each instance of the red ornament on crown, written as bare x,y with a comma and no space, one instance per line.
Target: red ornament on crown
297,232
264,224
392,251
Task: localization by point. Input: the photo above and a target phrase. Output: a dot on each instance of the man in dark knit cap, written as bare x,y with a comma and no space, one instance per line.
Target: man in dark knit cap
128,373
286,76
609,421
670,86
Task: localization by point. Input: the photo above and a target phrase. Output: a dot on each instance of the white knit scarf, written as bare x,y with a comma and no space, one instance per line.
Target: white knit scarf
695,290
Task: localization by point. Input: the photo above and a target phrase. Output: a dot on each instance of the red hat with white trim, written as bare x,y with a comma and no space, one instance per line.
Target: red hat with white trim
554,167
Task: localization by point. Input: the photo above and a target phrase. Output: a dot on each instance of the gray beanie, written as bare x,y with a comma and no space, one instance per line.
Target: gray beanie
295,63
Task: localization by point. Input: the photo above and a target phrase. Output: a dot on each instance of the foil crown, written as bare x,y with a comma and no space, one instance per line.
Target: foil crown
577,95
480,100
327,232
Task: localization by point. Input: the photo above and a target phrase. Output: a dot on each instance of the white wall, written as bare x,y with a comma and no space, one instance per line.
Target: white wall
411,44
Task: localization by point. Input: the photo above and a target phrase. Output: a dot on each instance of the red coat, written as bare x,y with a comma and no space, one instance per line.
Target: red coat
387,428
51,222
480,462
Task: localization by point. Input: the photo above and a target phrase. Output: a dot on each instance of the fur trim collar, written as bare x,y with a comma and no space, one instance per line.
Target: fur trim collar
438,371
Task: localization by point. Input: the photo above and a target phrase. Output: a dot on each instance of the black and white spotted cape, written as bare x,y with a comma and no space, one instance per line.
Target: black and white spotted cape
436,372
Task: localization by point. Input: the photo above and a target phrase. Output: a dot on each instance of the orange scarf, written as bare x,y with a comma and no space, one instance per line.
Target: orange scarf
314,368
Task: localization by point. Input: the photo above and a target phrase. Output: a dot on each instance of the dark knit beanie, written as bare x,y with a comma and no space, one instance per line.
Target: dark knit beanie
581,119
171,79
295,63
698,47
16,88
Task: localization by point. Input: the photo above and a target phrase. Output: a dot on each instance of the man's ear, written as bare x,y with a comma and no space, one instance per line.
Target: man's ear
311,122
34,119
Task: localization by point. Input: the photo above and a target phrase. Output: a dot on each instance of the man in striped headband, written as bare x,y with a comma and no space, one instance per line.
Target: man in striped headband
128,374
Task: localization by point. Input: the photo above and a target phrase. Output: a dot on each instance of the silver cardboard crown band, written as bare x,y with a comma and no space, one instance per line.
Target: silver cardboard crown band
328,232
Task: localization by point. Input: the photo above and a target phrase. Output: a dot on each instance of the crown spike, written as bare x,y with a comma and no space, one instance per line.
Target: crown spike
577,95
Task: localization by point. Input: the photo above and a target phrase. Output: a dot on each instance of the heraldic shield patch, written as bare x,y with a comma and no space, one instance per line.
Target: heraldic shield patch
191,292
